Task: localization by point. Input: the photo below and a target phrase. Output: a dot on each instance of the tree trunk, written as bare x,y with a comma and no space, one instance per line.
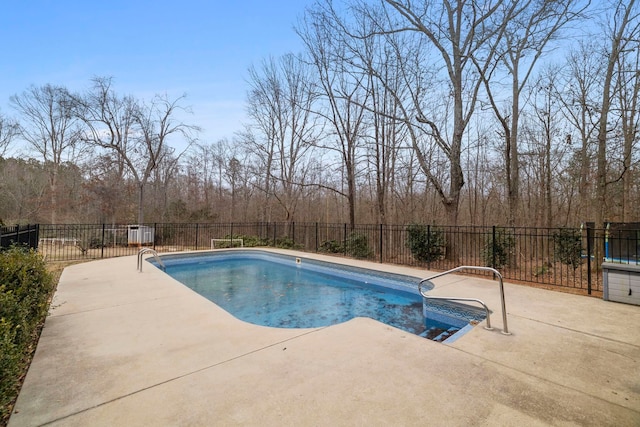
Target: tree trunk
140,203
54,194
351,196
514,161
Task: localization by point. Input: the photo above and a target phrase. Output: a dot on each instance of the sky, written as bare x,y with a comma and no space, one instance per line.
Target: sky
195,47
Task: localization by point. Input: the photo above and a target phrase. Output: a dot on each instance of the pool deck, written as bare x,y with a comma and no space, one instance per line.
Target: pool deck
139,349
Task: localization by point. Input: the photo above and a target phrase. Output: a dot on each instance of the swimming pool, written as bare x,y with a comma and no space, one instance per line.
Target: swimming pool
285,291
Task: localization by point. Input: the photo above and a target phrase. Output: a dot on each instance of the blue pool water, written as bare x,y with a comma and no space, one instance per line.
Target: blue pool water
281,291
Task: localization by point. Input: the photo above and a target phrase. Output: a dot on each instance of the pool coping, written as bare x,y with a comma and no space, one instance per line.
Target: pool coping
121,347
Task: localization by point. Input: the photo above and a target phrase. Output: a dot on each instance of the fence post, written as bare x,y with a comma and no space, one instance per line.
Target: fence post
316,237
102,244
197,229
429,246
493,247
293,232
589,249
381,255
36,238
155,234
344,239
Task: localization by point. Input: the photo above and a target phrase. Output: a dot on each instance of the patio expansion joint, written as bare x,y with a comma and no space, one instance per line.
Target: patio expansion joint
178,377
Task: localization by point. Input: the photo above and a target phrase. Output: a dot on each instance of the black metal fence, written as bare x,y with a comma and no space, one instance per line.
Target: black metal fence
560,257
25,235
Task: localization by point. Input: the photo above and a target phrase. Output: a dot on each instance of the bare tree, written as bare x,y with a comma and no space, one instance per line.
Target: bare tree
578,96
202,186
386,88
547,142
110,122
136,133
624,27
105,189
156,123
163,176
527,36
388,137
628,102
481,181
9,129
344,93
407,207
464,35
284,129
23,189
259,139
51,130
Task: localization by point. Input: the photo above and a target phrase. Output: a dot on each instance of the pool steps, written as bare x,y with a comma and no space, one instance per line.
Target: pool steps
496,274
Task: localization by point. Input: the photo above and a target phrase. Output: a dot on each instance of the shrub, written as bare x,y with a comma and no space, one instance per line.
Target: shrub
357,246
331,247
25,290
285,243
253,241
247,241
567,246
95,243
425,243
498,253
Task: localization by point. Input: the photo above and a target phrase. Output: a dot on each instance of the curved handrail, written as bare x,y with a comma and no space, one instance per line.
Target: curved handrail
486,309
152,252
505,330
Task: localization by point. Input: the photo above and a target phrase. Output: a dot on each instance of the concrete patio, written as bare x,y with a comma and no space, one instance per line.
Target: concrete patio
122,348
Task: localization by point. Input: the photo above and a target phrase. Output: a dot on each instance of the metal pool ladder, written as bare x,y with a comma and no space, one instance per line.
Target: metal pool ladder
497,274
155,256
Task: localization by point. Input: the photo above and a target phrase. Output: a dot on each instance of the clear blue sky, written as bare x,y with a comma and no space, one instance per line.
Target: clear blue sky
198,47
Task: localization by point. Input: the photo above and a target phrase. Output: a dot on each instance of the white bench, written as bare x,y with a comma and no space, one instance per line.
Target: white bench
58,241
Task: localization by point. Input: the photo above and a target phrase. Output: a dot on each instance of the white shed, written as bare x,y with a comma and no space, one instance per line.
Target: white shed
138,235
